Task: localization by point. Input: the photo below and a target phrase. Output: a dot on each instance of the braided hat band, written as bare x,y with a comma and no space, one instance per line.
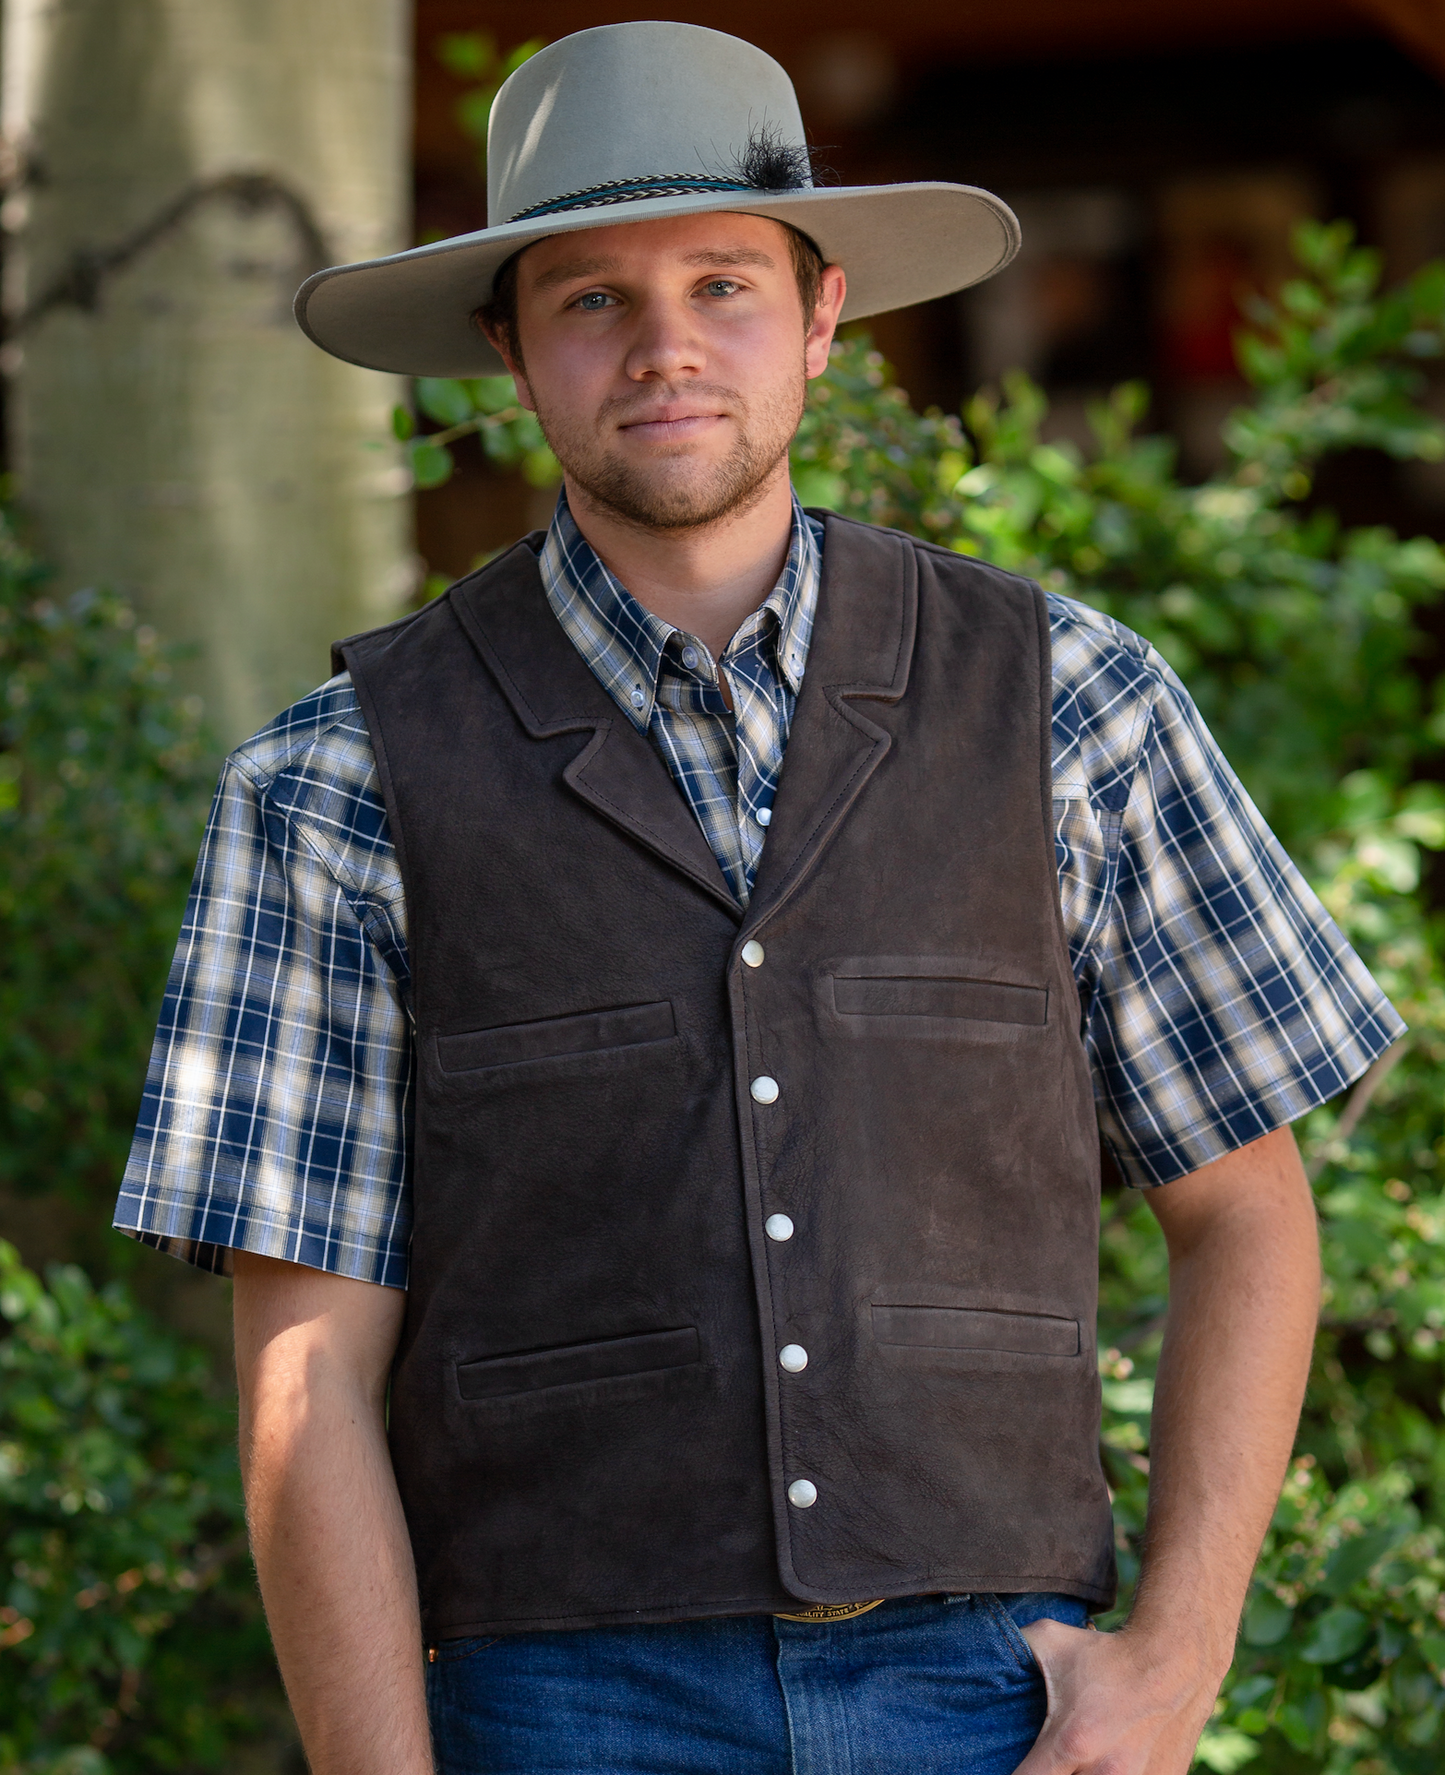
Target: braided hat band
627,190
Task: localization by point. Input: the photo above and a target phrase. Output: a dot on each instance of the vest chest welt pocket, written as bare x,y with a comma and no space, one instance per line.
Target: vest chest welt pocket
940,997
975,1329
513,1044
537,1372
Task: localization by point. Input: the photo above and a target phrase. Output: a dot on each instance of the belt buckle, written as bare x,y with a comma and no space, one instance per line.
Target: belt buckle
828,1612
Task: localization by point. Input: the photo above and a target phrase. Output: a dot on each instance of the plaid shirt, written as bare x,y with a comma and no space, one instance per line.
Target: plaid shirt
1219,1000
666,682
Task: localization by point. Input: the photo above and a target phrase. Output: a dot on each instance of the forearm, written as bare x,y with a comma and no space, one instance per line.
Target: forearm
1243,1298
1243,1303
332,1553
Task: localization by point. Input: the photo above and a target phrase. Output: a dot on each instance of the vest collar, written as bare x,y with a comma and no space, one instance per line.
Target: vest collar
861,649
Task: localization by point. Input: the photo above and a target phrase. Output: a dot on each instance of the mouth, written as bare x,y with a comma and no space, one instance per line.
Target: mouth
671,427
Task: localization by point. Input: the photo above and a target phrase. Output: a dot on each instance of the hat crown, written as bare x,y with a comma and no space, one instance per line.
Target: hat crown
632,101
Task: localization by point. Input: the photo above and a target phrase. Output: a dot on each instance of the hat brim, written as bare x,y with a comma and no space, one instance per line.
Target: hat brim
411,313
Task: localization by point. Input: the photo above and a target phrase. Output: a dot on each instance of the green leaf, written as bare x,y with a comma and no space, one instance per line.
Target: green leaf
1129,1397
1267,1620
491,394
431,464
820,487
1297,1727
443,399
402,424
1352,1560
1223,1749
470,55
1335,1635
522,53
541,468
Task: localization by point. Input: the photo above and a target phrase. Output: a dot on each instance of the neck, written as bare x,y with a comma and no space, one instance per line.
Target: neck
707,580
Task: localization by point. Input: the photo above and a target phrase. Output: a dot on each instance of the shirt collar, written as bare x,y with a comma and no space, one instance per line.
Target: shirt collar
624,645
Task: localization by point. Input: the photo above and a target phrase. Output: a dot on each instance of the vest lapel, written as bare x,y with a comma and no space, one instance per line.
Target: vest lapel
862,648
552,692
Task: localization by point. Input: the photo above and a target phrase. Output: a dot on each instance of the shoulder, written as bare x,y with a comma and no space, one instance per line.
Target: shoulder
314,769
1107,685
323,735
500,572
1096,657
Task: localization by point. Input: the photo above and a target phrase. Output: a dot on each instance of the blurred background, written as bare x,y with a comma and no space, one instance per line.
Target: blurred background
196,502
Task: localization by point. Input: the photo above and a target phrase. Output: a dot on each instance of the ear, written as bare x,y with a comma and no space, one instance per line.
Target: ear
500,342
832,288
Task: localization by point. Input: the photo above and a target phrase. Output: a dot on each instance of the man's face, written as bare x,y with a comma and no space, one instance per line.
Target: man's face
666,361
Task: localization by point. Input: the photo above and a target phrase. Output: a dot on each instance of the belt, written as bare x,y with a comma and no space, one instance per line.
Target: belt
829,1611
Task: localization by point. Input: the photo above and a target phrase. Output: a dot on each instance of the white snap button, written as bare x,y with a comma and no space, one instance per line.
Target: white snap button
753,953
779,1227
793,1357
764,1089
689,657
638,699
764,816
802,1494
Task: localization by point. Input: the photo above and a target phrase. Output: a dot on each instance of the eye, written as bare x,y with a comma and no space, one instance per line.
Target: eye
720,286
594,301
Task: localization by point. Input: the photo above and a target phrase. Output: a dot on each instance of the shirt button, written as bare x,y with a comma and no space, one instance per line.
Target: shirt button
793,1357
764,816
638,699
802,1494
764,1089
779,1227
753,953
689,657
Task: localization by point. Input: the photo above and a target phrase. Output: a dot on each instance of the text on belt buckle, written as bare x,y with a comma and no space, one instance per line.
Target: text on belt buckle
829,1611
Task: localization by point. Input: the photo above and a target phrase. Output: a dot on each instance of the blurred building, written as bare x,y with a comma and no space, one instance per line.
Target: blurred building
1157,156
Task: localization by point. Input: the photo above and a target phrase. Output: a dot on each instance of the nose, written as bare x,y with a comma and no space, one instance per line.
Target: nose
665,342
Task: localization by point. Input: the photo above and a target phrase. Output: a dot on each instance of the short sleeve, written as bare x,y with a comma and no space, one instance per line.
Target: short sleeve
1221,1000
275,1112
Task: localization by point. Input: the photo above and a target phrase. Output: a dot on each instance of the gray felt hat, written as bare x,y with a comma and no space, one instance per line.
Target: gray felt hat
638,122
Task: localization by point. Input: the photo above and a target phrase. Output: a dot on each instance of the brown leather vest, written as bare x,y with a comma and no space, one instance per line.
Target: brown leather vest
589,1420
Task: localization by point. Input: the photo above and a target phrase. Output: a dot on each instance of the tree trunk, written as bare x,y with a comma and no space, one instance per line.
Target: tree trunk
179,166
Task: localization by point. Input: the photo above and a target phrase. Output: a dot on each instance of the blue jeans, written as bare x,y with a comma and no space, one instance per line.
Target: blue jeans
926,1686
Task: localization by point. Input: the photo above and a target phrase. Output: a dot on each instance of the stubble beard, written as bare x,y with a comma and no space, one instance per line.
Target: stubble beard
655,496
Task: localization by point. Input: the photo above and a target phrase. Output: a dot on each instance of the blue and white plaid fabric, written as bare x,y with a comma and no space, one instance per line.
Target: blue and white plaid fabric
667,682
1219,999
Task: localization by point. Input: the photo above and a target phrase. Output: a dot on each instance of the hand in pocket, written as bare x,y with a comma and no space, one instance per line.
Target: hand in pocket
1115,1706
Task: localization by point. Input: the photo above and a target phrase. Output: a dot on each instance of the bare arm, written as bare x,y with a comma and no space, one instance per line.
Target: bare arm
1243,1301
313,1352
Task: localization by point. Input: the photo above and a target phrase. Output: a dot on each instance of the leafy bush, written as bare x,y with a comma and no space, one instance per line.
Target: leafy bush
1294,636
131,1637
482,406
103,782
129,1621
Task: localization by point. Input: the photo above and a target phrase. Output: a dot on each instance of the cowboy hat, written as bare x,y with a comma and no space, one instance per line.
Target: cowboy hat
638,122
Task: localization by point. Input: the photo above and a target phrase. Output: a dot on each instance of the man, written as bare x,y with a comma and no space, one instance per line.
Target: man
642,1030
